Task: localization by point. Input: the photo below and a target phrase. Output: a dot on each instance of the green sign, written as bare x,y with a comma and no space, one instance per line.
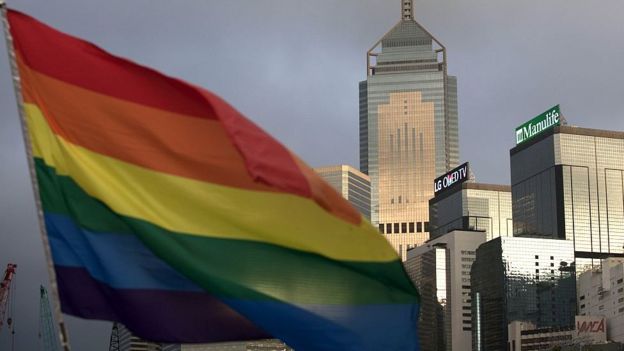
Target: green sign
538,125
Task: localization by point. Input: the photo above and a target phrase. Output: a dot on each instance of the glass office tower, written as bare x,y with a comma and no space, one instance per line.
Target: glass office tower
520,279
352,184
568,183
408,128
472,206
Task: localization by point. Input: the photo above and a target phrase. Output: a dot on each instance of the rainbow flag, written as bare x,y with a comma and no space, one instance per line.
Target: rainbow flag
170,212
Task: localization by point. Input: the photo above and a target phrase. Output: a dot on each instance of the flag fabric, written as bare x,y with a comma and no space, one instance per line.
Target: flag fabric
168,211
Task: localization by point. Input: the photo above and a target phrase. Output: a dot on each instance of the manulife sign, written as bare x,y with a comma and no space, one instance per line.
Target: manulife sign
538,125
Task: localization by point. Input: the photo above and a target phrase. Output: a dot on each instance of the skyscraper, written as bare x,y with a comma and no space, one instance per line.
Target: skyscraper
568,183
352,184
408,128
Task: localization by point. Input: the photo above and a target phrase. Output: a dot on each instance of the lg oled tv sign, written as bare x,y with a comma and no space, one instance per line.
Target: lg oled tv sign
538,125
456,176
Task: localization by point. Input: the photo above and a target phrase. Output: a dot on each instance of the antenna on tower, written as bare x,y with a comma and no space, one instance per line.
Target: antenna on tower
407,10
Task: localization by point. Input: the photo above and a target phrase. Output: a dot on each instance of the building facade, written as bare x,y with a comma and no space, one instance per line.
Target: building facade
525,336
601,293
472,206
260,345
587,330
440,268
568,183
523,279
122,339
352,184
408,128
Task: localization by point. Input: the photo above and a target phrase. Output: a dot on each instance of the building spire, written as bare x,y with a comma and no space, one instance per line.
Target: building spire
407,10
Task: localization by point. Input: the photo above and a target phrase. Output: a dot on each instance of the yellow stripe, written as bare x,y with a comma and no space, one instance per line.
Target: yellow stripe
205,209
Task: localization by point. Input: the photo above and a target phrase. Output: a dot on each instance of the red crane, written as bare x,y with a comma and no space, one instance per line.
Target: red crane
5,286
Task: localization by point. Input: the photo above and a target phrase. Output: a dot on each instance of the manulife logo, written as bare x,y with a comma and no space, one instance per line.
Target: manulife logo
538,125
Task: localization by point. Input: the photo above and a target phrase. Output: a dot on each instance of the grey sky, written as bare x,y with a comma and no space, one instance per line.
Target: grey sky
293,67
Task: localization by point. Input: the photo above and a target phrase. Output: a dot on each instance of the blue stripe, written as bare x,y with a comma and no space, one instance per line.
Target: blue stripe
157,315
120,261
341,327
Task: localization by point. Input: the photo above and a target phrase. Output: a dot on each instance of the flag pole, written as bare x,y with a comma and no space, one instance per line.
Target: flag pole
63,335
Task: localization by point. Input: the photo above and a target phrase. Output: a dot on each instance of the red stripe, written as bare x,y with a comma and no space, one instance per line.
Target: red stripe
83,64
267,160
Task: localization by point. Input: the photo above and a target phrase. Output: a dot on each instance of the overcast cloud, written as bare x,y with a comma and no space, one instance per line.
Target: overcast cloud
293,67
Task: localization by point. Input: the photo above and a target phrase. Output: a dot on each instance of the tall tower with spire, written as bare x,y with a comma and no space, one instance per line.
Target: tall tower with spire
408,128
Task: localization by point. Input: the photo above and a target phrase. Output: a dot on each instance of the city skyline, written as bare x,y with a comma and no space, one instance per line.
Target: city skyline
534,89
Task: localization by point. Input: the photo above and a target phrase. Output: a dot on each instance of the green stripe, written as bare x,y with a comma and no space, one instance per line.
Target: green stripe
236,268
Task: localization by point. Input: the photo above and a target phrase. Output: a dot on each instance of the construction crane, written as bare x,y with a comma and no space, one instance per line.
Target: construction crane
5,288
47,335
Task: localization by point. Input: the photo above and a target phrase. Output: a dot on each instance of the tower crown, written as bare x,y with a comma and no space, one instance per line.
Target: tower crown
407,10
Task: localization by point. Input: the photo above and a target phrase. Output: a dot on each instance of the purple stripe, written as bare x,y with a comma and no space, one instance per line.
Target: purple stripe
156,315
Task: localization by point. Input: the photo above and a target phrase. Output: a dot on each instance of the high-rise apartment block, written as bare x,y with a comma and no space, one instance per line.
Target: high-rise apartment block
520,279
472,206
441,270
601,293
352,184
568,183
408,128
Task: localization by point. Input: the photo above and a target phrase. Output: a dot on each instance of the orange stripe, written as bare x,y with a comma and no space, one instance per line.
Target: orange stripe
83,64
156,139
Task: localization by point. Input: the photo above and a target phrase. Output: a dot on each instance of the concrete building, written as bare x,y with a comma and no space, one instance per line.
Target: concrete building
472,206
408,128
568,183
352,184
522,279
441,270
587,330
601,293
525,336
